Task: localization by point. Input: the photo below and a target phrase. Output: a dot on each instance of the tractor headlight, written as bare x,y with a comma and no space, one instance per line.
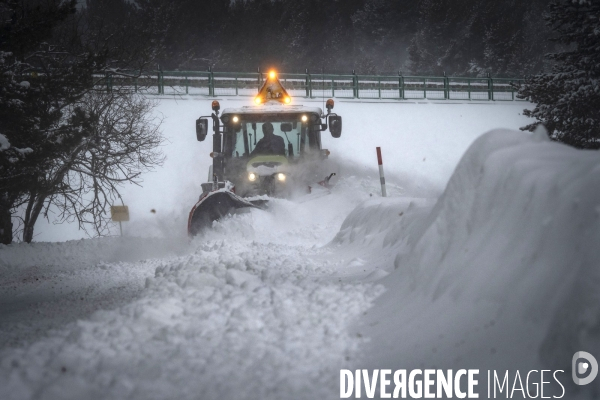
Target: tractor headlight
252,176
281,177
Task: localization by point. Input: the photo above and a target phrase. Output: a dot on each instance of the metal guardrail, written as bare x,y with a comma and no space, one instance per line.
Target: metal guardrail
213,84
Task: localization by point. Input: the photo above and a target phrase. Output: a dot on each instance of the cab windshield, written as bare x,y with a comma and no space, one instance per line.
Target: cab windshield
288,139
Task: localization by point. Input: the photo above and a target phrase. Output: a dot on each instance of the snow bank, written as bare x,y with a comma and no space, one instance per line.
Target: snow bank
235,317
503,272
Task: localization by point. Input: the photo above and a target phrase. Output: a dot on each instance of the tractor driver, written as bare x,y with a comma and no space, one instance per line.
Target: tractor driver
270,143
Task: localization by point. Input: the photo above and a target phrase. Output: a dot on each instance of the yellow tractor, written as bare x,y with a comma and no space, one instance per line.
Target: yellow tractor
269,149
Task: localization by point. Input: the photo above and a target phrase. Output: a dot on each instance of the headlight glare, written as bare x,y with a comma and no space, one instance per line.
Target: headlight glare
252,176
281,177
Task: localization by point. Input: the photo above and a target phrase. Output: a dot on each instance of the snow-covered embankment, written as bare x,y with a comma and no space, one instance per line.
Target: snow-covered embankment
502,272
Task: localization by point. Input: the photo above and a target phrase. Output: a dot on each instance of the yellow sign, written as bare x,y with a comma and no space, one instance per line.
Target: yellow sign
119,213
272,90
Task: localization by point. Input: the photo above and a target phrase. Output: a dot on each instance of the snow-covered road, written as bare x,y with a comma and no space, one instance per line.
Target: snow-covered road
45,286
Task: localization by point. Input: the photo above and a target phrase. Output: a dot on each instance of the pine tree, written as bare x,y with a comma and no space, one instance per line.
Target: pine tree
568,98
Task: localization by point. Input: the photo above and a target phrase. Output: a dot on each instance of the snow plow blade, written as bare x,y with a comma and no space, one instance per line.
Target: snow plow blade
214,205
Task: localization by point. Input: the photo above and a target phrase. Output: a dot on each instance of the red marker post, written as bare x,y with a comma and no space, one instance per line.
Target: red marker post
381,177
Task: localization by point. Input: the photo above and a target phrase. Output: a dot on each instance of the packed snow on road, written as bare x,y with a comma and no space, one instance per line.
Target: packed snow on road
483,256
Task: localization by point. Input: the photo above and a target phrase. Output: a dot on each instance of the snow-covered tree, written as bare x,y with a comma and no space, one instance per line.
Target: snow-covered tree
471,37
25,108
568,98
64,145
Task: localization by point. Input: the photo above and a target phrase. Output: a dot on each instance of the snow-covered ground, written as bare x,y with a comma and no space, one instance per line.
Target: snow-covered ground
490,263
421,144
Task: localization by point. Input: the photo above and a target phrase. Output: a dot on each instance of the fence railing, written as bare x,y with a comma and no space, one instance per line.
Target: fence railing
216,84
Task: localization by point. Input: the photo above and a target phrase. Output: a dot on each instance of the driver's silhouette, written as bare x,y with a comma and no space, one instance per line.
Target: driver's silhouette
270,143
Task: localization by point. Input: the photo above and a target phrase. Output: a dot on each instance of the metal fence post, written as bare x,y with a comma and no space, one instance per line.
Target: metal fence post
424,88
379,88
332,88
307,83
469,87
492,88
401,85
489,83
211,83
446,87
258,79
236,85
186,85
354,84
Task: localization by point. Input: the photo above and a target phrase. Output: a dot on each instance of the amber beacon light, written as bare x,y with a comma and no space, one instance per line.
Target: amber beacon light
272,91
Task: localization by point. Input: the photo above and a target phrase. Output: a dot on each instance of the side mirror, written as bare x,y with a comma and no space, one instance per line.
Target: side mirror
335,125
201,129
286,127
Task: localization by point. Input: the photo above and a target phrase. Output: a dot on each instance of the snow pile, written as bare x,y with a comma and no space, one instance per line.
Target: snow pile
503,272
238,316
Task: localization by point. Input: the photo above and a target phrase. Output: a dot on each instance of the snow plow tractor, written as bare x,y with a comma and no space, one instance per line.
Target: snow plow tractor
270,149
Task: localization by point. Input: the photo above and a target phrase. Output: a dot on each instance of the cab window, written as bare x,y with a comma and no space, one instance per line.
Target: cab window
249,135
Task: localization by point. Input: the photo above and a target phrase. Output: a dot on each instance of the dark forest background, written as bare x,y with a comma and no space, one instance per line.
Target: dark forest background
505,38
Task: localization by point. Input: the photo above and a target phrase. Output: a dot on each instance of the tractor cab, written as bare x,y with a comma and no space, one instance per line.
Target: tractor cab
262,146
